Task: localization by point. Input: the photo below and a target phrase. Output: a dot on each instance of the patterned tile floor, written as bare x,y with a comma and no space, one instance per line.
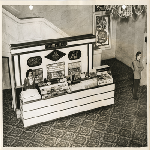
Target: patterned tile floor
123,124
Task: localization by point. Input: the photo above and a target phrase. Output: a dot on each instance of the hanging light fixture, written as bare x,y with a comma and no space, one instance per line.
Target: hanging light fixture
124,11
30,7
138,9
123,6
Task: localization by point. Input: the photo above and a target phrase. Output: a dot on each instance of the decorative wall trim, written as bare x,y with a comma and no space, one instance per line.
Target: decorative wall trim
88,56
34,61
75,54
17,72
13,69
55,55
19,69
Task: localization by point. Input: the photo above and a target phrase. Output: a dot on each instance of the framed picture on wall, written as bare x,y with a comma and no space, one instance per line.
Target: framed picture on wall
102,28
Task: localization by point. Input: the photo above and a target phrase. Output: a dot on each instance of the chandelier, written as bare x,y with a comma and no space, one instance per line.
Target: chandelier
123,11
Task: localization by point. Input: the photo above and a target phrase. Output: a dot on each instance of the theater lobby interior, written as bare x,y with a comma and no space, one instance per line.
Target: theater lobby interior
95,39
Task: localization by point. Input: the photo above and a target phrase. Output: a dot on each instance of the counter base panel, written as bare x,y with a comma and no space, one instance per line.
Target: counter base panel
66,105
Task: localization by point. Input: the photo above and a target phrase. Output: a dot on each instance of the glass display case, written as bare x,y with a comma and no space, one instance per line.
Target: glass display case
65,85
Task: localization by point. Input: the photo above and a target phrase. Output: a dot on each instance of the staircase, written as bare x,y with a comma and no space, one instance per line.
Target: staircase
17,30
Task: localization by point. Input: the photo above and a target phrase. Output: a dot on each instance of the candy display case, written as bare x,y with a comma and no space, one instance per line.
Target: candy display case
66,84
54,90
104,75
84,84
104,78
63,99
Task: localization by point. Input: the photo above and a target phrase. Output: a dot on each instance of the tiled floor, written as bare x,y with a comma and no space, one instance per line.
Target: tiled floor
123,124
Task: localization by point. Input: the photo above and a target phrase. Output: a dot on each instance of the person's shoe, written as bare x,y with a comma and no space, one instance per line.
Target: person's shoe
135,98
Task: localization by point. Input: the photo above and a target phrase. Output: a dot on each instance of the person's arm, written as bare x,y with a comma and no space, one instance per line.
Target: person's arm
141,67
132,66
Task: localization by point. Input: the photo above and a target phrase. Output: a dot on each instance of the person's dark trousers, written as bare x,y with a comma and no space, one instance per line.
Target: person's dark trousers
135,88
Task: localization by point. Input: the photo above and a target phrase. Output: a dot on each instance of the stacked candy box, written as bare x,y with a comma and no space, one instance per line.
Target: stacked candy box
90,83
85,84
40,84
54,90
45,92
92,74
104,78
82,75
29,95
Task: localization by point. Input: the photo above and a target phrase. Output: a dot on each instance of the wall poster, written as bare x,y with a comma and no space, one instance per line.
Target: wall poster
102,30
55,70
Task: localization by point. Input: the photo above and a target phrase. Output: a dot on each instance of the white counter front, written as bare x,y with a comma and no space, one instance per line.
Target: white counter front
38,111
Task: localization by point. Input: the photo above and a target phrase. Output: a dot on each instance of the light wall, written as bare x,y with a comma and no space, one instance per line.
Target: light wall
129,39
110,53
72,19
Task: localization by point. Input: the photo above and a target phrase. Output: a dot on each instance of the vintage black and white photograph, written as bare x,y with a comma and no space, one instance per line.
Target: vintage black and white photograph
74,75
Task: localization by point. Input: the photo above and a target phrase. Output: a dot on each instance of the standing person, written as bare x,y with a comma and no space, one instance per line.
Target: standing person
29,81
137,67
